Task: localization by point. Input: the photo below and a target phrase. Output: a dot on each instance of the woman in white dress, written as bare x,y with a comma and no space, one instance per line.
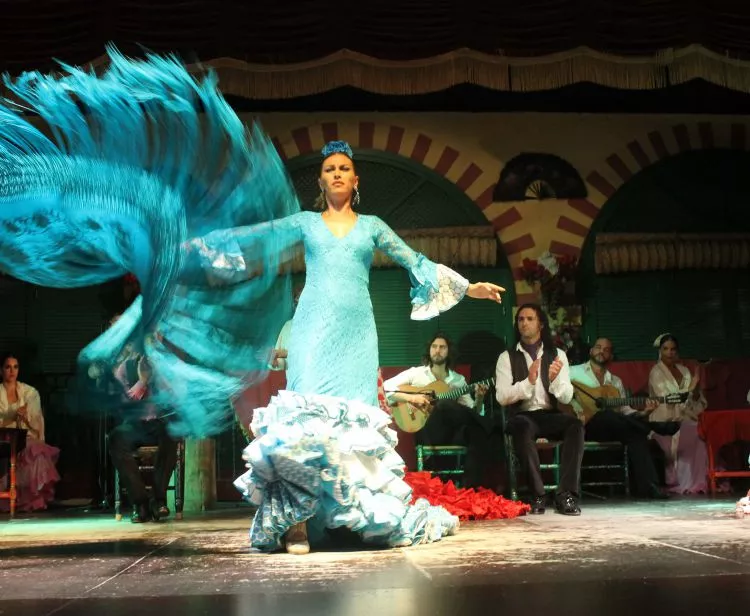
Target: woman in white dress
21,407
686,454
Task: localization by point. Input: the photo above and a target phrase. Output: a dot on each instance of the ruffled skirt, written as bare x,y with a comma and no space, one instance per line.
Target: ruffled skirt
36,476
332,461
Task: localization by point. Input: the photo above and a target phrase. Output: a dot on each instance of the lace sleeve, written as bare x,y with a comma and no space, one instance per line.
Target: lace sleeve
435,287
228,255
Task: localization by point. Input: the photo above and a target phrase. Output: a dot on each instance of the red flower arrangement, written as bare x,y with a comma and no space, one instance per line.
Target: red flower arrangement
552,272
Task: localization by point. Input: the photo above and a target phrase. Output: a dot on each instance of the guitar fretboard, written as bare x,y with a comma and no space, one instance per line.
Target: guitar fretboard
461,391
626,401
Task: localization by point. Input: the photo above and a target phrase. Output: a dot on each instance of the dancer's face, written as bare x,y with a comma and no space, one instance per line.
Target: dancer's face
10,370
337,177
669,352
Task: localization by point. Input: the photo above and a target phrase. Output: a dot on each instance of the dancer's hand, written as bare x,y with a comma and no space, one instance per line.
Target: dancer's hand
485,290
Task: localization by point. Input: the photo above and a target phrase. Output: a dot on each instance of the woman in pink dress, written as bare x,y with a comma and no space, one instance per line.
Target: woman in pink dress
685,452
20,407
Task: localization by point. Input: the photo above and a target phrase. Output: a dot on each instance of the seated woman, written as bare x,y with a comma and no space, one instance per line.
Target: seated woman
686,454
20,407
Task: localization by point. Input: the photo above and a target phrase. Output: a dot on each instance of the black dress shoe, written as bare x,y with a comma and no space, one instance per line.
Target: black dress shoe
159,510
141,513
665,428
567,504
538,504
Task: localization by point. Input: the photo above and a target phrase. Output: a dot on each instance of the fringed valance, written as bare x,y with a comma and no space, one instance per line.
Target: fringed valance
617,253
346,68
467,66
452,246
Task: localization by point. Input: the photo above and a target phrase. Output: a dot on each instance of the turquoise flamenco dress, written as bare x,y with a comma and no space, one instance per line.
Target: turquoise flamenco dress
323,451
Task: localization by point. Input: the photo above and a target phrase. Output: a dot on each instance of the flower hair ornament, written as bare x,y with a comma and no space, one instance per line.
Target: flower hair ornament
659,338
337,147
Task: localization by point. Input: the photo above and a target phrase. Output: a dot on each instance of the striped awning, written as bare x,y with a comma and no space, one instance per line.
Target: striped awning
617,253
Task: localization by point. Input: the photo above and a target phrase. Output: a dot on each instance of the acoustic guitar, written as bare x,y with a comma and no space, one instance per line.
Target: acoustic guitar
410,418
594,399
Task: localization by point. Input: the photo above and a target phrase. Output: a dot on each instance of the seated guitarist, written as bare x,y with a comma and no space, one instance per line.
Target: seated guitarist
450,422
624,424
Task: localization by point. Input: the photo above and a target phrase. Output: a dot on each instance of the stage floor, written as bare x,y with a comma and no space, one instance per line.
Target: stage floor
683,556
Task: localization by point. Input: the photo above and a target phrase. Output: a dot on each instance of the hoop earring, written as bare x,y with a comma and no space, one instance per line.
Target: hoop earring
355,200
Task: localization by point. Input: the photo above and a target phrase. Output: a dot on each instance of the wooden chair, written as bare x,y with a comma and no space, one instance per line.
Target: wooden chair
456,451
15,438
551,465
146,455
618,463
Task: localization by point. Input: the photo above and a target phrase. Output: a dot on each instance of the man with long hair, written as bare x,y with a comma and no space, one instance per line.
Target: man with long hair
530,379
450,421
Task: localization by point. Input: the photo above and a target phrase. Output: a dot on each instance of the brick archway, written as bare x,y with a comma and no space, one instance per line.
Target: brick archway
573,225
460,168
620,166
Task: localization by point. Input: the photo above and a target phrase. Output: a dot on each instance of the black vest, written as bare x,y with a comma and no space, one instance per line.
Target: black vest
520,371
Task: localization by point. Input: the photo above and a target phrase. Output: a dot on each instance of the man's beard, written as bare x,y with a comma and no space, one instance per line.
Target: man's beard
599,362
440,361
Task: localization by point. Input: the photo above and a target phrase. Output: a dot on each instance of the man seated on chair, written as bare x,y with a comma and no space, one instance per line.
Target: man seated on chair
134,373
623,424
530,380
450,422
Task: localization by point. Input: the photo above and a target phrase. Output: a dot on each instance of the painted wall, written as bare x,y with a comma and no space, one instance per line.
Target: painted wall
472,149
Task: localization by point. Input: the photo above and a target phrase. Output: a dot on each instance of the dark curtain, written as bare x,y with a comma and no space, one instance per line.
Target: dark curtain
33,32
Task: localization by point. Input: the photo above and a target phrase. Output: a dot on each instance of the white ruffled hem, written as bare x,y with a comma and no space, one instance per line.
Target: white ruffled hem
334,460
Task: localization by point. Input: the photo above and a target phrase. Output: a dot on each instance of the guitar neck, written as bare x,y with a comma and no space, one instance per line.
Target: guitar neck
615,402
461,391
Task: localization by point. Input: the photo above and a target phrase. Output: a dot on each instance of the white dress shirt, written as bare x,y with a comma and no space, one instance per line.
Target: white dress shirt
584,374
531,396
421,376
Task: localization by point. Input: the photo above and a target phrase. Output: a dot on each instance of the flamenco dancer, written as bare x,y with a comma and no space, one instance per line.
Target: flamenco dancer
125,184
323,451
